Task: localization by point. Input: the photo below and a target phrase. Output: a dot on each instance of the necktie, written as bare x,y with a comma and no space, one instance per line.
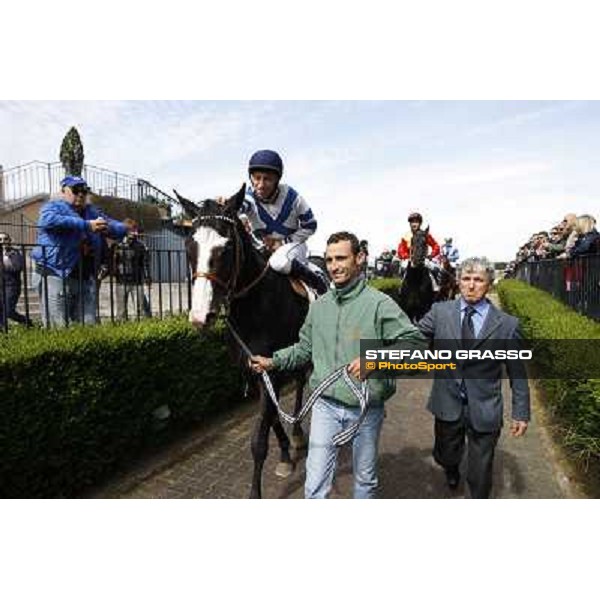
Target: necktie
468,335
468,329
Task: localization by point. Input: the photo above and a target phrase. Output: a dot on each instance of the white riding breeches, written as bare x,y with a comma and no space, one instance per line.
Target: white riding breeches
281,259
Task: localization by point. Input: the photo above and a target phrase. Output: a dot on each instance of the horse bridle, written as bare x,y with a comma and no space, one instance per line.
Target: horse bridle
230,285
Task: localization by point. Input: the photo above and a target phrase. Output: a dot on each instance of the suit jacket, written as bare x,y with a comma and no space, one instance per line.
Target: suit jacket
482,378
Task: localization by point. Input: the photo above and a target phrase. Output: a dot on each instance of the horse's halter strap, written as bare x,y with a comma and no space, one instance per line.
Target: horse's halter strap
210,276
229,286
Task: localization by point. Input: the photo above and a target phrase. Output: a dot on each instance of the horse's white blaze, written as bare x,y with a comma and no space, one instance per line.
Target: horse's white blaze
207,240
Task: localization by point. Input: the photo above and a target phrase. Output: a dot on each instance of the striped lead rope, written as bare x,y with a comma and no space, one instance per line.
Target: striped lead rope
362,395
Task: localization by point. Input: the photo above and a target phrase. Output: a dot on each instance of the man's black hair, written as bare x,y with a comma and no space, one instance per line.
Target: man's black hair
345,236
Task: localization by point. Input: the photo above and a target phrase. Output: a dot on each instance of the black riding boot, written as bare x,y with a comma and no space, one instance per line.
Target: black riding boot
306,274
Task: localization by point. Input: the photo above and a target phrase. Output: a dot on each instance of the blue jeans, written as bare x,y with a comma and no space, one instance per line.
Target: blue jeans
329,418
64,300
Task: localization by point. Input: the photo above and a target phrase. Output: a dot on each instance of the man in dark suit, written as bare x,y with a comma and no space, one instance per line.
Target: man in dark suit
467,402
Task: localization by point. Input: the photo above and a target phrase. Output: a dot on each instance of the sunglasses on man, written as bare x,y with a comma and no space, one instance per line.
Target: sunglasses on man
80,189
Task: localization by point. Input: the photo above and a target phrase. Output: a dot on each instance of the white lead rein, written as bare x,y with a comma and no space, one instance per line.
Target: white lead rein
362,394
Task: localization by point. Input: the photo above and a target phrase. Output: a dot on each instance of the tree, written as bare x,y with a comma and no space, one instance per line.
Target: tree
71,153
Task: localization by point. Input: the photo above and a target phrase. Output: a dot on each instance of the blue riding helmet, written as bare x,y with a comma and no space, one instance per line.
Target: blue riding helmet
73,180
266,160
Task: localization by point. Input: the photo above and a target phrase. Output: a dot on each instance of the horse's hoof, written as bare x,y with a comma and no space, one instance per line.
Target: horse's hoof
284,469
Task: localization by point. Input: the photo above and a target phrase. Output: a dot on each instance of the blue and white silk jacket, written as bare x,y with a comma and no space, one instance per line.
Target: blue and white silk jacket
288,218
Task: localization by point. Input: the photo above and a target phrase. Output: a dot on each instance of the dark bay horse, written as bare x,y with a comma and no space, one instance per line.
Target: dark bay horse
229,272
448,284
416,291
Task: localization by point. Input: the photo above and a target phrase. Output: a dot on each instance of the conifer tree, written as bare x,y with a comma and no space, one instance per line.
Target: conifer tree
71,153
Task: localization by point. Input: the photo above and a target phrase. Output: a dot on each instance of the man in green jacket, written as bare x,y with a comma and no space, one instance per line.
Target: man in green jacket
330,338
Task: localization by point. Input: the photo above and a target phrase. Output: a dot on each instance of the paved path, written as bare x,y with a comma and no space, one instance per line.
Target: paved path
215,461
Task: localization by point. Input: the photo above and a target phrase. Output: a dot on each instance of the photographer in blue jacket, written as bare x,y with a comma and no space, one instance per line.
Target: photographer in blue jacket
68,254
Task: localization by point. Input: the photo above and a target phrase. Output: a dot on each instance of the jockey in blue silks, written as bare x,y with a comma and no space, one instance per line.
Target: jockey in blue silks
281,218
450,252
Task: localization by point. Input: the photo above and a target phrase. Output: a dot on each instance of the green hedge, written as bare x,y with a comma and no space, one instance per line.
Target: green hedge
385,284
389,286
575,402
73,402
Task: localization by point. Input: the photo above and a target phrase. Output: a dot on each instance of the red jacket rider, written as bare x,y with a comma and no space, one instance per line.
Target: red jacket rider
416,220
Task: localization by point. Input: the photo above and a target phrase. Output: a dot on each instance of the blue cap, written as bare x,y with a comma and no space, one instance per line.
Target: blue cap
73,180
266,160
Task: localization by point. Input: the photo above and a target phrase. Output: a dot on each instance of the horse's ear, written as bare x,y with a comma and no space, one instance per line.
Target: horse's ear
189,207
235,202
427,229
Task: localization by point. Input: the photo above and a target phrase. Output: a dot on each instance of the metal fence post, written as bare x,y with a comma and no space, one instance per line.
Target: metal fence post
26,285
3,295
2,197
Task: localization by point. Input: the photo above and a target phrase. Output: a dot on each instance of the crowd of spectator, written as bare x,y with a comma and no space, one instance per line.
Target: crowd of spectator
574,236
384,264
388,263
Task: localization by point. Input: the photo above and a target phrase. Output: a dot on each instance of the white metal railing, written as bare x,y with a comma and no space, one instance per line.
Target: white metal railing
20,183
